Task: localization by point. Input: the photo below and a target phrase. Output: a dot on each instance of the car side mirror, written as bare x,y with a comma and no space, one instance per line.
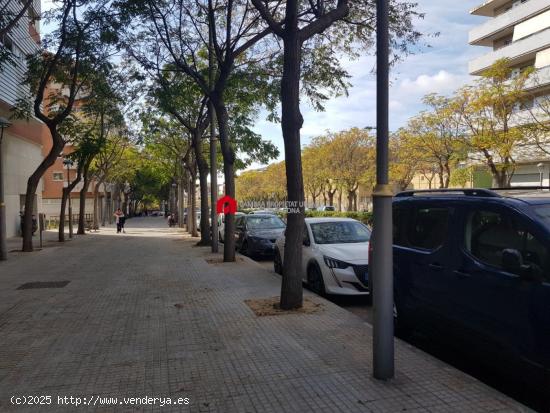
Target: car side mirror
512,261
306,242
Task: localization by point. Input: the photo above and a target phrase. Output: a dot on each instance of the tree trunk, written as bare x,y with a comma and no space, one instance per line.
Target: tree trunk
96,204
82,206
181,209
61,234
441,176
124,206
330,198
447,169
105,208
205,211
213,145
291,122
350,200
65,194
32,185
171,199
202,166
229,174
194,231
355,200
189,213
340,200
501,179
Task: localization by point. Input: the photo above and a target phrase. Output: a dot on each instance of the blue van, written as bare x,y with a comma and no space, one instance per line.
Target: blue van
473,266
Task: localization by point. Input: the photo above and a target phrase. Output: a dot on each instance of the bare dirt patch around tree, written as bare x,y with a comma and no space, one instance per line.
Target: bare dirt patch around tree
219,260
270,306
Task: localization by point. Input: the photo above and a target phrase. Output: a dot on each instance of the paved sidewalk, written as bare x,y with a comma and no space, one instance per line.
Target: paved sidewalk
50,238
145,315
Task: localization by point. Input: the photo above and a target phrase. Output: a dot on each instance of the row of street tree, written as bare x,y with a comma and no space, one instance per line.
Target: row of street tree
493,123
205,70
490,124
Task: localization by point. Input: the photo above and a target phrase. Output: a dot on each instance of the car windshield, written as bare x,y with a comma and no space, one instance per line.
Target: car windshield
342,232
544,213
264,222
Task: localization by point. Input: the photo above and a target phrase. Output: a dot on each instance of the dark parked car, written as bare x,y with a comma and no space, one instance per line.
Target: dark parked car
474,267
256,234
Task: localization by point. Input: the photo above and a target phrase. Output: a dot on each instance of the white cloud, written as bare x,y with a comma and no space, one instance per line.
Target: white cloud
395,105
442,82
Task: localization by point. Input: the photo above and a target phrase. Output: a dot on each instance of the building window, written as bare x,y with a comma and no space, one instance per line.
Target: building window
58,176
7,43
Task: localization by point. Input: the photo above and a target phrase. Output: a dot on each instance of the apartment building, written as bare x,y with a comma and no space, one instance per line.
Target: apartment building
518,30
55,179
22,142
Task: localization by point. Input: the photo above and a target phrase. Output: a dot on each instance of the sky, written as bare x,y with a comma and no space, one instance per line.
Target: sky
441,68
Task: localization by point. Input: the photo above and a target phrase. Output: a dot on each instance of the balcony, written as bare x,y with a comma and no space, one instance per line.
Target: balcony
484,34
539,79
488,8
518,52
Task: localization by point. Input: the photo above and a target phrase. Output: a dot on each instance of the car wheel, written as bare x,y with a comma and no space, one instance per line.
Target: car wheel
315,279
278,263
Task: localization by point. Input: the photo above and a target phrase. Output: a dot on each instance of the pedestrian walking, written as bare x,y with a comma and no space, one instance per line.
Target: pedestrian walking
119,218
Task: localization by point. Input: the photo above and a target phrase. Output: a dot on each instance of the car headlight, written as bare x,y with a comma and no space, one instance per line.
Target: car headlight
334,263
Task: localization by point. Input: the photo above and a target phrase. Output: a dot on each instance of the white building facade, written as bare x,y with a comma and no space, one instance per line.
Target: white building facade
518,30
22,141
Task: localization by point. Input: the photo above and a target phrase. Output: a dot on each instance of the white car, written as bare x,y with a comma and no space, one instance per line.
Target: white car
334,256
221,225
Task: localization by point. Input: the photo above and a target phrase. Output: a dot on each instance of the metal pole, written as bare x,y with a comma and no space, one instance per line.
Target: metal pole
382,257
3,236
213,153
70,204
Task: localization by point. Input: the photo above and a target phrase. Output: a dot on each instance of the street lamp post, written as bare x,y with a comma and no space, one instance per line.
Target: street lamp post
68,164
4,123
382,256
540,166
